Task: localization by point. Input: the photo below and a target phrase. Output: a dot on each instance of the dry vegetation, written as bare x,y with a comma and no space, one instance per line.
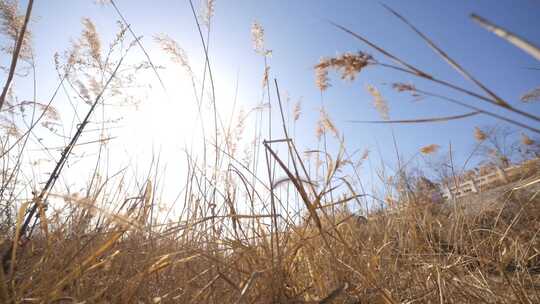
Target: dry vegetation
245,236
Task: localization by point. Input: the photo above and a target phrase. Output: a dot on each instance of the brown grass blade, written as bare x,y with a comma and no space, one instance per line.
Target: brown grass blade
79,269
417,72
20,219
299,187
15,57
512,38
486,112
449,60
420,120
247,286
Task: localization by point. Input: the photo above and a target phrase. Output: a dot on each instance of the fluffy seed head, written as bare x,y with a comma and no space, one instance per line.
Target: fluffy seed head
176,53
10,24
429,149
208,12
297,110
319,129
91,39
378,102
348,64
321,76
257,37
327,123
479,135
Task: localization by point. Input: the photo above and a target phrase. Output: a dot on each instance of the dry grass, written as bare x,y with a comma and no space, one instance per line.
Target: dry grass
241,238
423,253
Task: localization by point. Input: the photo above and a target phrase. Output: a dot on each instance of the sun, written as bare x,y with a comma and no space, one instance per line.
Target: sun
171,122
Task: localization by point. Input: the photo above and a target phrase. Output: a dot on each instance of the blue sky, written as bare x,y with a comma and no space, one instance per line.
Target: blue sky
299,34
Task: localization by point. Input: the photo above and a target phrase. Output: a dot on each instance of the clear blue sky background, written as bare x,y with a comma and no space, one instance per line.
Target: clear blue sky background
299,34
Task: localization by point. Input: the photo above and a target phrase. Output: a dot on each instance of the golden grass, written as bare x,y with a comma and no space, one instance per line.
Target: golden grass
240,239
423,252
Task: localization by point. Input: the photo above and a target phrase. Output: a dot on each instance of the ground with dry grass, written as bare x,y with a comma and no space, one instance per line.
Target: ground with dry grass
313,235
424,253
